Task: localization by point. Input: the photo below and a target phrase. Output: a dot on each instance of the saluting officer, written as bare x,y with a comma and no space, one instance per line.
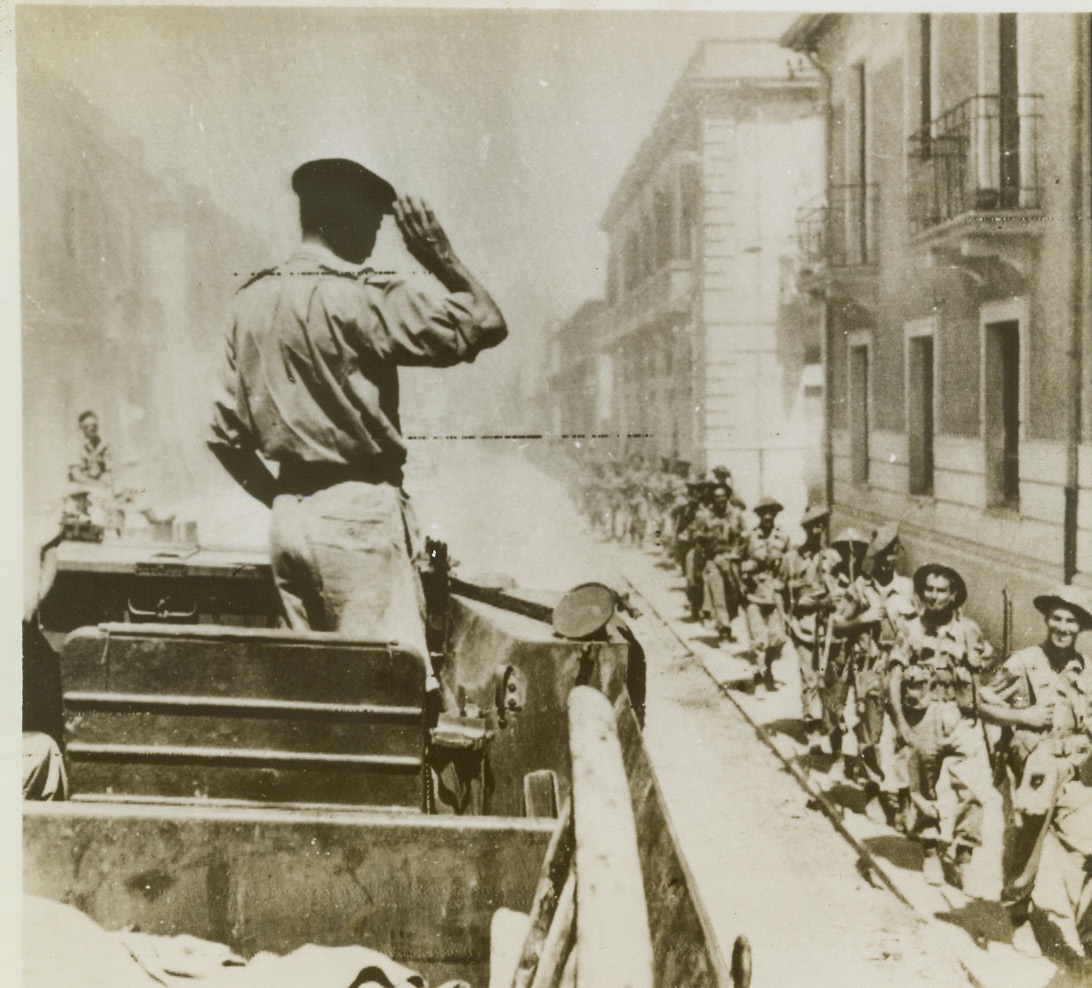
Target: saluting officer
310,382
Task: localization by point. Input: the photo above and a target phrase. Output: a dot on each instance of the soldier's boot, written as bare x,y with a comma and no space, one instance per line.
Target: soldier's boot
957,864
905,817
889,803
767,674
931,865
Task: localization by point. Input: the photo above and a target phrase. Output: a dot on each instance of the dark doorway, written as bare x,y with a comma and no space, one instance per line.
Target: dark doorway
1003,413
858,412
920,410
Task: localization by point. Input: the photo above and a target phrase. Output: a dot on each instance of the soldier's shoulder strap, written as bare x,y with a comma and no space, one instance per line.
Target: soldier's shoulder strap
380,279
264,273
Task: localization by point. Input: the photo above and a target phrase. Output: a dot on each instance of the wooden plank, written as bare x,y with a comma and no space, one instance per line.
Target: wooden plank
347,737
685,949
553,874
560,939
252,666
163,754
614,948
421,889
253,783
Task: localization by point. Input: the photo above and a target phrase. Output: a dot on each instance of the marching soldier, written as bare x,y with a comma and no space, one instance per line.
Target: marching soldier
933,686
762,570
723,477
718,531
1042,696
841,639
808,576
881,602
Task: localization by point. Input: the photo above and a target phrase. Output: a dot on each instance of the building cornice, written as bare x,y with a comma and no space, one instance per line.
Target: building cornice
803,32
693,86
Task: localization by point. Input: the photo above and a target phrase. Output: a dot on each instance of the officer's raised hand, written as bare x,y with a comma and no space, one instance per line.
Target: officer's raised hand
424,236
427,241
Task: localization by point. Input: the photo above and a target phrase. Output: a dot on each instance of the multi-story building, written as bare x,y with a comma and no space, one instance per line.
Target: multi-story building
692,361
951,257
578,388
126,272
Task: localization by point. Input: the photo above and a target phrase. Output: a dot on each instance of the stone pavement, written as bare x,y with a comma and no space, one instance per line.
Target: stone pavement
975,930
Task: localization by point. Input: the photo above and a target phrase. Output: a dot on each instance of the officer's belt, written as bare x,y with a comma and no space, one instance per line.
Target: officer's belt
306,478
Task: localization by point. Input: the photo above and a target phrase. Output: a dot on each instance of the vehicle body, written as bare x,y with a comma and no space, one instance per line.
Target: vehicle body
267,789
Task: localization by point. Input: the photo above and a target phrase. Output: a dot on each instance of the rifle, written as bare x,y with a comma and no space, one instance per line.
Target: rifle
997,763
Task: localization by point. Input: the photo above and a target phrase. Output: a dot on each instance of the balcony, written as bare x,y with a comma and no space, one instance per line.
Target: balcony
837,229
666,293
977,167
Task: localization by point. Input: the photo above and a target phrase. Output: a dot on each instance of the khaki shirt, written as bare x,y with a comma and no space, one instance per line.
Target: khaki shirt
311,367
951,656
763,566
1027,679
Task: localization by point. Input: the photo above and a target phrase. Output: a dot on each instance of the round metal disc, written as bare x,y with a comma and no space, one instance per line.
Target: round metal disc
584,611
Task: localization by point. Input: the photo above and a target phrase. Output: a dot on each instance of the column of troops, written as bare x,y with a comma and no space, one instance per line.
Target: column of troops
981,757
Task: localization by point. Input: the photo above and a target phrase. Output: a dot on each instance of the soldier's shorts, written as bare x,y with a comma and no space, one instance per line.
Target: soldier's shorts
43,768
766,627
342,562
871,698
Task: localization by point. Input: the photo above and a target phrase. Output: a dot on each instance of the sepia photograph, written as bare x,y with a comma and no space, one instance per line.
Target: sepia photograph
551,497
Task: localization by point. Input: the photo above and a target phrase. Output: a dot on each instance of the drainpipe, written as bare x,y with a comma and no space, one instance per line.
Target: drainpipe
1078,302
824,305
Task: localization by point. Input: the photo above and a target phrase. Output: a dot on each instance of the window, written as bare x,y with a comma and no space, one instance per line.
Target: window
689,209
858,412
1002,413
925,70
1008,113
920,394
631,262
663,224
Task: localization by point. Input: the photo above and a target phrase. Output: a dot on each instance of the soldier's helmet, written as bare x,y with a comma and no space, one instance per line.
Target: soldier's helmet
953,576
884,538
1078,602
850,537
815,515
768,505
720,494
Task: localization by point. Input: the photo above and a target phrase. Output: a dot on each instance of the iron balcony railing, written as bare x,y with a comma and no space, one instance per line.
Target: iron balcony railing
980,156
838,228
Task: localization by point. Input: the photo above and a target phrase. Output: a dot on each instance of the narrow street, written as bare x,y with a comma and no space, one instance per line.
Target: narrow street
768,862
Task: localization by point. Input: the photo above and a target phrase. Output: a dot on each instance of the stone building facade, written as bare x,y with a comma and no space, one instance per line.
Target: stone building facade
950,256
125,277
694,358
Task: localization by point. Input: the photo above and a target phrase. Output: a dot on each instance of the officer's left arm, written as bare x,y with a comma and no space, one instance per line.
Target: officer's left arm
230,439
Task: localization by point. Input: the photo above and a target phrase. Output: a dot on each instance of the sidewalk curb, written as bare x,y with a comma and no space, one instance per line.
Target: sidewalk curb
829,809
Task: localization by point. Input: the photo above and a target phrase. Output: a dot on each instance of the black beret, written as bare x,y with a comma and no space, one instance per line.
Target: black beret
329,178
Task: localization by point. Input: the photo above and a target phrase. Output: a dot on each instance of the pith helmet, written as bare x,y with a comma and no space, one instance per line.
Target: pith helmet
885,537
959,586
1072,599
768,504
850,536
814,514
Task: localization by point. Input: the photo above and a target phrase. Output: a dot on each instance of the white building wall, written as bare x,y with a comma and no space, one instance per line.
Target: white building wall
759,166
